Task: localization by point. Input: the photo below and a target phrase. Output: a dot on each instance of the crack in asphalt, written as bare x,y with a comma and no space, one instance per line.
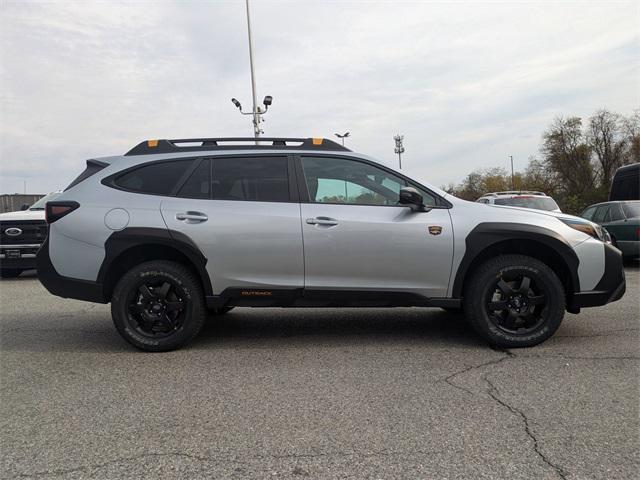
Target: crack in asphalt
510,355
496,361
114,461
202,458
493,393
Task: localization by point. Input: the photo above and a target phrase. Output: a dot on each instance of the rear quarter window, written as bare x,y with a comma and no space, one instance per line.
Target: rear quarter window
159,178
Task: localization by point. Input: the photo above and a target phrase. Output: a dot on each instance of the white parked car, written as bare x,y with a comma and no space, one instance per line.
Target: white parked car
522,198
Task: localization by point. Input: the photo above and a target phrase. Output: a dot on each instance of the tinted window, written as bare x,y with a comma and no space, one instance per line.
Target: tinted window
615,213
631,209
601,213
588,213
337,180
197,185
157,178
262,179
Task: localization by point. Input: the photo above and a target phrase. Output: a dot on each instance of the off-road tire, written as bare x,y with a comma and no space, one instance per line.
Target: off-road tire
186,289
544,300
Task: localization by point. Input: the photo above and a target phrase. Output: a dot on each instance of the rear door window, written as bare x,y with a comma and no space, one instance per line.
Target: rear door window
199,182
252,179
615,213
601,213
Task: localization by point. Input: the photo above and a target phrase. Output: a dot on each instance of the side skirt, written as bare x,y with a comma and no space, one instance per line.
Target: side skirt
299,297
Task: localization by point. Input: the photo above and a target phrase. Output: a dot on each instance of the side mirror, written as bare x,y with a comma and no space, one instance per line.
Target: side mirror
412,198
25,206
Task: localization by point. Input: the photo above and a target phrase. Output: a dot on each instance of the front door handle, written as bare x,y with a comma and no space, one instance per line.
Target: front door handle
192,217
327,221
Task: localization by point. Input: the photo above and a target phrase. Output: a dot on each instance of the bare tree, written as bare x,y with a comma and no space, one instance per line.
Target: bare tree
606,137
631,128
568,156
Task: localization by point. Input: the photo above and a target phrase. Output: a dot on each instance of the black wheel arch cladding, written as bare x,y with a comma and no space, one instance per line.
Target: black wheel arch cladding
488,234
120,242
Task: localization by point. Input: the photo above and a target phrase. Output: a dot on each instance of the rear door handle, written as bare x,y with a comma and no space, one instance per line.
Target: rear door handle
192,217
328,221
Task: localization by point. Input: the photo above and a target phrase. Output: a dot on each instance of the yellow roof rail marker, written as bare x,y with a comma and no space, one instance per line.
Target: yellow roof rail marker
317,141
152,143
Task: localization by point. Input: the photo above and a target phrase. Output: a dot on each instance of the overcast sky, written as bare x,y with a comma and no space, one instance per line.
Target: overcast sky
467,83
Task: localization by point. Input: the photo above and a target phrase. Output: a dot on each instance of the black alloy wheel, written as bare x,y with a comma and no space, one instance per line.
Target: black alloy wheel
156,308
516,304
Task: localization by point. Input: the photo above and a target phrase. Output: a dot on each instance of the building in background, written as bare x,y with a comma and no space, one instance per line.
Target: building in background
11,202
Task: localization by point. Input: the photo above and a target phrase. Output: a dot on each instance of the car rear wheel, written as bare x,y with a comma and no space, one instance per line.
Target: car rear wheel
10,272
158,306
514,301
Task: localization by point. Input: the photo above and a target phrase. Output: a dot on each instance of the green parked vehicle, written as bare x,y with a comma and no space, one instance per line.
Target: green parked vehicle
621,220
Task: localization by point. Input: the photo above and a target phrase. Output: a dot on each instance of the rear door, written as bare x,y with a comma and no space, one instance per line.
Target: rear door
242,213
357,237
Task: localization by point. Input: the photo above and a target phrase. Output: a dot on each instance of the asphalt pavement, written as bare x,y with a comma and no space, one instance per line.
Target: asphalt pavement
308,393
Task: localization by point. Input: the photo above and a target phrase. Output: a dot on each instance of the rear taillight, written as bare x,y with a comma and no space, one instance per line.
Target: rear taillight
56,210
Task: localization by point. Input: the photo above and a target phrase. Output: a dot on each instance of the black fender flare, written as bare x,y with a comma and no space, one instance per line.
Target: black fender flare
487,234
121,241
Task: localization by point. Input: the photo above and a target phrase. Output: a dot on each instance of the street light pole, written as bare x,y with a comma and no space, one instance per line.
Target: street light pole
342,137
513,185
399,148
256,112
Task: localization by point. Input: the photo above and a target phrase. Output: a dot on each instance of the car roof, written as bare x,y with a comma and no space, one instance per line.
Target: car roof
611,201
513,193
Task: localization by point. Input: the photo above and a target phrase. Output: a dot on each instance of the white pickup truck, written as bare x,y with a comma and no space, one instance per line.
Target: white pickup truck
21,234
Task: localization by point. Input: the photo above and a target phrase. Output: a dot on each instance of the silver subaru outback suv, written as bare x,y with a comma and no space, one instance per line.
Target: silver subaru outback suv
175,230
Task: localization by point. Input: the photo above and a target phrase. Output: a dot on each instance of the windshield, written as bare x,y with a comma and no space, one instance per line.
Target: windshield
631,209
39,205
539,203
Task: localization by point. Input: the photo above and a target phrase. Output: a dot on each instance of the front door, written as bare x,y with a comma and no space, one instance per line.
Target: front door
239,212
357,237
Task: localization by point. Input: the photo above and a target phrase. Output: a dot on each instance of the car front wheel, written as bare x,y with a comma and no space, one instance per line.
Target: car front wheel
514,301
158,306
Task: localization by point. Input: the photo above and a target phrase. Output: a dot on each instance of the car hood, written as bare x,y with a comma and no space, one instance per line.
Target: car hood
22,215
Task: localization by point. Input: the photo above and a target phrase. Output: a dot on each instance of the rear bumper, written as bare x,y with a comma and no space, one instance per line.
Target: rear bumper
611,286
64,286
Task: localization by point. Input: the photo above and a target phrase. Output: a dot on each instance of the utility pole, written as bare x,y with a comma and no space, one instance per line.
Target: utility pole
513,184
399,148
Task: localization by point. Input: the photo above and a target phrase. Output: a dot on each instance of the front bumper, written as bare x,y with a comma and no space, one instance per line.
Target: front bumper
18,256
611,286
64,286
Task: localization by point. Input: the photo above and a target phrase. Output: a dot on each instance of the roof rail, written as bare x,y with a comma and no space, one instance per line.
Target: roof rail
234,143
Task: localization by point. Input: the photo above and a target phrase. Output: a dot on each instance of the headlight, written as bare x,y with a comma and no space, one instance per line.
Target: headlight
592,229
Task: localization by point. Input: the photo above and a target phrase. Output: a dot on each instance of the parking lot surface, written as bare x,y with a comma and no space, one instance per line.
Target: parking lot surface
274,393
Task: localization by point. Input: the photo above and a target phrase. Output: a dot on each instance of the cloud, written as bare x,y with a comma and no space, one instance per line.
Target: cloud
467,83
